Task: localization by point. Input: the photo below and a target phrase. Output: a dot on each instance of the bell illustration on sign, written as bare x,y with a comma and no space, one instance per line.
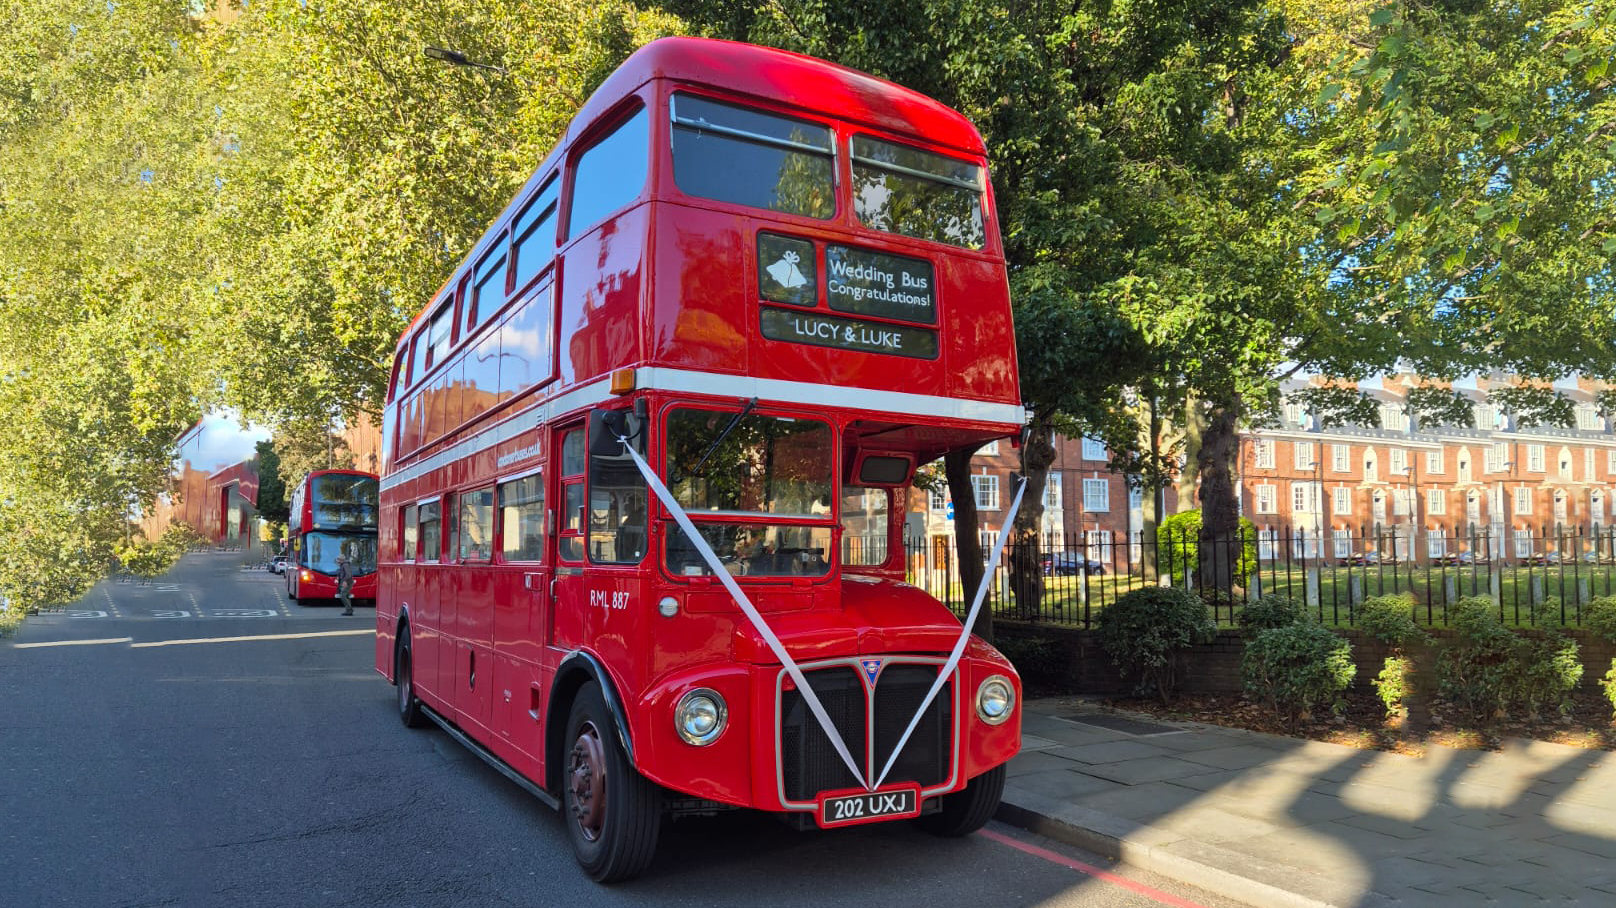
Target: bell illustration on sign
786,273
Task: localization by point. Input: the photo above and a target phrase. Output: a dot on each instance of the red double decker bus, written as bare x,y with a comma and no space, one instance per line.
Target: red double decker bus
647,453
333,513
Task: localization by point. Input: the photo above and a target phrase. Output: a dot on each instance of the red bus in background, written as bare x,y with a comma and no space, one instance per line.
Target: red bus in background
333,512
782,282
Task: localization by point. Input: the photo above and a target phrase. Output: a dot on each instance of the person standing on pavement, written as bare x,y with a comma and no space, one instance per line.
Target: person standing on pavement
345,581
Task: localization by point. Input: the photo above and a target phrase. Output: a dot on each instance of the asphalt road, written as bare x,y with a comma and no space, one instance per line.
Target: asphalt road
201,741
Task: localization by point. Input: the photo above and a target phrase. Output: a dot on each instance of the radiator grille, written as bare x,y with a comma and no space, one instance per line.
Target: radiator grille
809,762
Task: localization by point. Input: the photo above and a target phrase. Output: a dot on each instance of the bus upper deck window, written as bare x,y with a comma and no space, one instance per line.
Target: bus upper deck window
733,154
905,190
610,173
535,234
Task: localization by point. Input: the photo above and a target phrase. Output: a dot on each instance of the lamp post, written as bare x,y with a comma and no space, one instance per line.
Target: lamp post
1318,504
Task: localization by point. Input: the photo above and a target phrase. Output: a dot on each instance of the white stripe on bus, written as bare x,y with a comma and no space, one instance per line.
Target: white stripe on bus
660,378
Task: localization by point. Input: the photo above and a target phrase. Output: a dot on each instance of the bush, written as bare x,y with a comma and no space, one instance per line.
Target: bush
1394,684
1609,686
1297,668
1390,620
1271,611
1474,671
1178,542
1144,631
1600,617
1041,661
1544,671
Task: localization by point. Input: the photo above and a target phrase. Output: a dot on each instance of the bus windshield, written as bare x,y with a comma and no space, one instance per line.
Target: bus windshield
320,551
344,502
723,463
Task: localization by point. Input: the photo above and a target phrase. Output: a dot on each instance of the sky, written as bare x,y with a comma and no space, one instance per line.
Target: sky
219,441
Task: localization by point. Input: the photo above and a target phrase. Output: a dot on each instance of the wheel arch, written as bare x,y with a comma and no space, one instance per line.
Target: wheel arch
576,670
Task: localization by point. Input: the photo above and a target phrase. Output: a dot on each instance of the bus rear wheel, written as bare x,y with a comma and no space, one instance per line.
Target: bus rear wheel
612,813
964,812
409,705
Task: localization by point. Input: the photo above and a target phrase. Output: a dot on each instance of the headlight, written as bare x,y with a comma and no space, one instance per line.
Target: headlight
995,700
700,716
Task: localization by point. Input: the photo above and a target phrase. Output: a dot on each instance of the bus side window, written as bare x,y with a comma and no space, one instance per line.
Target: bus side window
476,525
610,173
521,518
487,288
410,533
535,234
571,544
431,540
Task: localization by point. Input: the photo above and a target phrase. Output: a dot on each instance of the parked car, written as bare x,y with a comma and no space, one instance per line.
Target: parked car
277,565
1069,563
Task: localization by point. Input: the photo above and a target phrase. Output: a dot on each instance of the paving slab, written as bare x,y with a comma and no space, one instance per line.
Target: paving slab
1066,784
1147,769
1109,752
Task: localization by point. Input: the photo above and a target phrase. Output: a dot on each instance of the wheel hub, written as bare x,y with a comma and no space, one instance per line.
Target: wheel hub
586,788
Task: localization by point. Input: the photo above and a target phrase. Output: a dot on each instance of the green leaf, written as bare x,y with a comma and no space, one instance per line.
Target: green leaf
1382,17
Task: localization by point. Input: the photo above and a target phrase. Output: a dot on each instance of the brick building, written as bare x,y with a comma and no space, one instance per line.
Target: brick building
1314,488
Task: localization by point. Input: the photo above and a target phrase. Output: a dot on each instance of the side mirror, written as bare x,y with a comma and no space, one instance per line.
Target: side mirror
605,428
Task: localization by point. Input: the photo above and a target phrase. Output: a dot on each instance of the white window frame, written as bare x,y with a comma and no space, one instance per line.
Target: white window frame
1522,503
1302,455
1397,462
1610,461
1436,544
1052,492
986,488
1266,498
1436,501
1534,459
1343,542
1097,495
1588,419
1523,543
1094,449
1097,545
1296,415
1341,501
1392,418
1436,462
991,449
937,500
1402,503
1341,458
1587,464
1265,453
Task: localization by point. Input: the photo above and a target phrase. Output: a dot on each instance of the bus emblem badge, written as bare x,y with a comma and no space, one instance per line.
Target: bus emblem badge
872,667
786,273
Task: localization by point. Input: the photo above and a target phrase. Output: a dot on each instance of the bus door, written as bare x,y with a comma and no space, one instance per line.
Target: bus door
426,626
568,626
472,580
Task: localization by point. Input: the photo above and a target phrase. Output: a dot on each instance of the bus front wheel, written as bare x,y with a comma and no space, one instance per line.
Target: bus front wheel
409,705
612,813
964,812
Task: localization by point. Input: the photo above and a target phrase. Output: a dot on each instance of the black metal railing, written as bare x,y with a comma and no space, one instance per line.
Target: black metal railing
1536,577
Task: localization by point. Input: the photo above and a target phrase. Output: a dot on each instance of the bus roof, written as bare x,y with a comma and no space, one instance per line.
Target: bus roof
790,78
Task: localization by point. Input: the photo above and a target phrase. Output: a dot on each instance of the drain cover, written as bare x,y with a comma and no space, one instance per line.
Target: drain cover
1125,725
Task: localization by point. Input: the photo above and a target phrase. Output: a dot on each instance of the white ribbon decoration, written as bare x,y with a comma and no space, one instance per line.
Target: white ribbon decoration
965,635
752,614
779,650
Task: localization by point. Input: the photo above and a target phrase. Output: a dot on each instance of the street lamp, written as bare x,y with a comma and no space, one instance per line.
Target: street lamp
456,58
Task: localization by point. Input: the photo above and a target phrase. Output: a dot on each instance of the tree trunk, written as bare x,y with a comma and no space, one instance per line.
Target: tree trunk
967,545
1150,505
1190,473
1220,510
1025,546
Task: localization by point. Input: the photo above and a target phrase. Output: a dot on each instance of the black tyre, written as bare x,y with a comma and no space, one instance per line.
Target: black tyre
612,813
409,706
964,812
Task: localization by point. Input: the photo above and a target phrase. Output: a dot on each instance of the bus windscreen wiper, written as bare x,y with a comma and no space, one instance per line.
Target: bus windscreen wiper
696,470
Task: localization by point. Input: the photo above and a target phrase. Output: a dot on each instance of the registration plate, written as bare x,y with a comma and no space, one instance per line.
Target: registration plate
846,809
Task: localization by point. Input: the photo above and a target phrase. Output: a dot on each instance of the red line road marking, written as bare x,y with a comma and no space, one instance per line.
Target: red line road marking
1165,898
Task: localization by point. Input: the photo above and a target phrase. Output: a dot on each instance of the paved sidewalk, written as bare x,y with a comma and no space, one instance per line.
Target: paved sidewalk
1277,821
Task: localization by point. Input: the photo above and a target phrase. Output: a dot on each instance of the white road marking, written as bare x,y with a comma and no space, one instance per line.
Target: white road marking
73,642
87,613
259,637
171,613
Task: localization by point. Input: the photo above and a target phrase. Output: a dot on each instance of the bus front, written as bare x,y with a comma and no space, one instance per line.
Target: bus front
339,519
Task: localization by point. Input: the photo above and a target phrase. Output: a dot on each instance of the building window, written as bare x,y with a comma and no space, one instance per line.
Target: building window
1304,498
1267,500
1096,495
1304,455
991,449
987,492
1472,509
1398,462
1267,543
1392,418
1341,501
1296,415
1523,543
1099,545
1343,543
1436,545
1610,461
1341,458
1136,498
1265,454
1369,472
1093,449
937,499
1052,492
1534,458
1486,417
1435,462
1588,419
1523,500
1436,501
1464,468
1587,464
